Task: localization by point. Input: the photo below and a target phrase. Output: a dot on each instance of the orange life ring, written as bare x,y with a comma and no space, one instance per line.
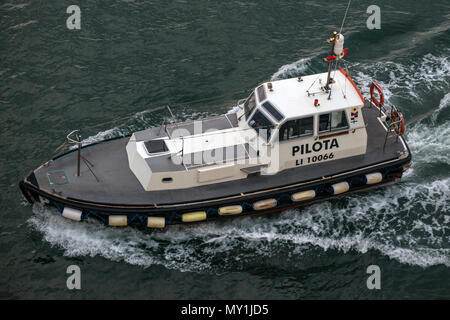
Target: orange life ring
374,85
398,122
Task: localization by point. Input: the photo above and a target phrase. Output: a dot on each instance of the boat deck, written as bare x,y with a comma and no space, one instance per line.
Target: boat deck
118,185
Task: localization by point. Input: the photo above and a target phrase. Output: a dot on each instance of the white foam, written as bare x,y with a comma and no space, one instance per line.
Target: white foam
429,73
430,143
292,69
100,136
444,103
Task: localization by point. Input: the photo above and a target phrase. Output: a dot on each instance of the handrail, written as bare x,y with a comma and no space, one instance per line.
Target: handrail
70,140
78,141
388,113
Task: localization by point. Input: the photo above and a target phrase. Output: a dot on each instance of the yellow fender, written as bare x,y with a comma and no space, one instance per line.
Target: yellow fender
156,222
265,204
117,221
229,210
304,195
193,216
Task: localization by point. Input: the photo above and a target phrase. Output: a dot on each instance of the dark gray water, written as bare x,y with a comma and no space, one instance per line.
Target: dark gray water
130,56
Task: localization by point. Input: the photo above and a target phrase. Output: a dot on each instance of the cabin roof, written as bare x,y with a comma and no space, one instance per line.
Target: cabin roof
290,96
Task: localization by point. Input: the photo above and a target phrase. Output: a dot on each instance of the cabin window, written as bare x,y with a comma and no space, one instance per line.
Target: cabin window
261,124
274,112
167,180
261,93
249,105
333,121
297,128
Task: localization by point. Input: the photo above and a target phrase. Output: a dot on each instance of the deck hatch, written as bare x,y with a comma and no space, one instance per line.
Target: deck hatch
156,146
58,178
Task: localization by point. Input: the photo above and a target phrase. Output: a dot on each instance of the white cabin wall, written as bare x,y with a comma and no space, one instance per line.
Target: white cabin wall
348,145
192,178
138,165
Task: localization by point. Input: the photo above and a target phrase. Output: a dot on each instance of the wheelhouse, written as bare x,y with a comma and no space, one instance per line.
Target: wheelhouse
287,110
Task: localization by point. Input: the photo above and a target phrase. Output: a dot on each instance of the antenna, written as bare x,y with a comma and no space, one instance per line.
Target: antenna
345,16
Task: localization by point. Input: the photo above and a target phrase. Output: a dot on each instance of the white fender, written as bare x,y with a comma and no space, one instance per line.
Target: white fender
72,214
373,178
340,187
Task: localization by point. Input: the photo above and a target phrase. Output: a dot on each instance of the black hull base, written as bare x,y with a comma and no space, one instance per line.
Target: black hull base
280,199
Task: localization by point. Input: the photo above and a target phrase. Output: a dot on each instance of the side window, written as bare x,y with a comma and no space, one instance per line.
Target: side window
324,122
333,121
298,128
249,105
306,126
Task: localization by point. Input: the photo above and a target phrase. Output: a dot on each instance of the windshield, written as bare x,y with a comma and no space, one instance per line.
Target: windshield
249,105
261,124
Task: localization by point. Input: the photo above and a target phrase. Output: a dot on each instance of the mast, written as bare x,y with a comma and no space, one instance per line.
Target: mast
334,55
331,59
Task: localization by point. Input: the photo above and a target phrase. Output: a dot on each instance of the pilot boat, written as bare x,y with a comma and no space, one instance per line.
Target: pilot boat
290,143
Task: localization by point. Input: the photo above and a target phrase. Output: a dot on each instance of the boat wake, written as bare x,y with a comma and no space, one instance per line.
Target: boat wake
408,222
404,222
